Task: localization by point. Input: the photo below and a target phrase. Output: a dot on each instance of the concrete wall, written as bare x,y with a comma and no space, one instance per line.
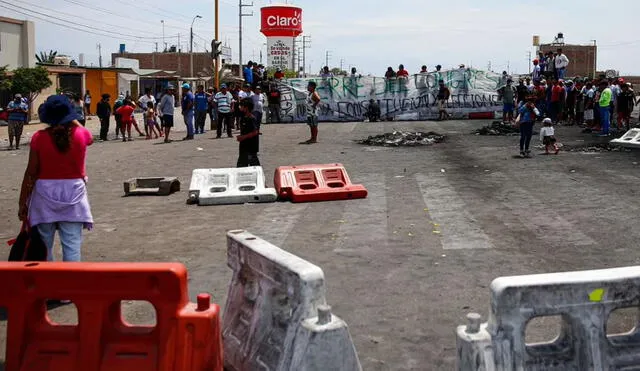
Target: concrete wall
582,58
202,62
17,43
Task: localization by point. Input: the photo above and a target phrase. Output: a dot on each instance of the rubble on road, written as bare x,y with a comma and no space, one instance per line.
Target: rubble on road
498,128
596,147
403,139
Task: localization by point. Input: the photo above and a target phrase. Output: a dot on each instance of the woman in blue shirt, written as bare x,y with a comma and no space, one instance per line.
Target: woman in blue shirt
528,113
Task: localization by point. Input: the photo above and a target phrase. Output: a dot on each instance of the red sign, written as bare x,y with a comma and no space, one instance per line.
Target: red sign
281,20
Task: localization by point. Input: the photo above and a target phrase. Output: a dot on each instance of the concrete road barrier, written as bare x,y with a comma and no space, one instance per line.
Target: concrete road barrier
160,186
583,300
630,139
276,317
229,186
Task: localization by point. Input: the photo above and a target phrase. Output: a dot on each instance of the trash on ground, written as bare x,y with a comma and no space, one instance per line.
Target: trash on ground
403,139
596,147
498,128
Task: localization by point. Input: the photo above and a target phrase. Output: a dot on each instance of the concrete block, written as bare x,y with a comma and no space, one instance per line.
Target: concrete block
276,317
229,186
160,186
584,300
630,139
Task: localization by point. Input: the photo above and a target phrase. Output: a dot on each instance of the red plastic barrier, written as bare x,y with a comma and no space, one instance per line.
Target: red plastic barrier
482,115
310,183
186,336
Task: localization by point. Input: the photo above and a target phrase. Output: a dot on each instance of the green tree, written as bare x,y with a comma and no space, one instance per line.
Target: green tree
338,72
30,82
5,81
46,57
288,74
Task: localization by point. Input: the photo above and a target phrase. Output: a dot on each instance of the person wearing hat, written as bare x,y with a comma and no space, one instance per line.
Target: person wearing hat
187,110
103,110
604,104
166,109
223,103
54,195
278,75
17,117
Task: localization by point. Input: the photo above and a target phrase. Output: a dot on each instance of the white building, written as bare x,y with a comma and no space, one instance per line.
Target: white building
17,43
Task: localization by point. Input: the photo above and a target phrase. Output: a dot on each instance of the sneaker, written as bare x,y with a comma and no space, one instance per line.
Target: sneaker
117,137
522,155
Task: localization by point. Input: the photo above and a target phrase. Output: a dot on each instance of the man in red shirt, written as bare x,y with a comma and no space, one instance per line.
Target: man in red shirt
126,118
557,93
403,79
278,75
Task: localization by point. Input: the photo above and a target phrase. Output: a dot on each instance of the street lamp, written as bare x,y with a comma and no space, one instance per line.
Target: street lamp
164,42
191,46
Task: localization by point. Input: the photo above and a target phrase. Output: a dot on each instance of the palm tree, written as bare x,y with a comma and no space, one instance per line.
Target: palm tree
46,57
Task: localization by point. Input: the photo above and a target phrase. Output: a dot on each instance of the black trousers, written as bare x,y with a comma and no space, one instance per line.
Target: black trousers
224,119
201,117
246,159
104,127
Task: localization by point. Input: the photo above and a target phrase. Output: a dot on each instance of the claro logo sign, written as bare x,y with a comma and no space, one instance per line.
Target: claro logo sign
278,21
281,21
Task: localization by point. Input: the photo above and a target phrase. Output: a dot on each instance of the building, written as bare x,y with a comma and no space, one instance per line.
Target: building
178,63
583,59
17,43
103,81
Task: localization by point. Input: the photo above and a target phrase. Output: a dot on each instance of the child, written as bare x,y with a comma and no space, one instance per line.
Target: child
151,121
547,136
249,136
528,114
126,118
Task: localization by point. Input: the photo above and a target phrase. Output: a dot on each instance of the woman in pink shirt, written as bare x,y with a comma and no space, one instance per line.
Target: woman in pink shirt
54,194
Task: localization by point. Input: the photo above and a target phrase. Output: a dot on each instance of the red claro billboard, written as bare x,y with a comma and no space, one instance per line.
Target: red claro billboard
281,21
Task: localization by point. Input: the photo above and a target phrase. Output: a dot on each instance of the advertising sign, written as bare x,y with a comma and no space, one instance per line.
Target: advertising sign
280,52
281,20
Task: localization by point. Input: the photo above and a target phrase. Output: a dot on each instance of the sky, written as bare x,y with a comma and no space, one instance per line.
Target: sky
368,34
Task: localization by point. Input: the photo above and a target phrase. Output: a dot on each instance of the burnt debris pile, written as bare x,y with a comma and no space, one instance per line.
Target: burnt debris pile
498,128
403,139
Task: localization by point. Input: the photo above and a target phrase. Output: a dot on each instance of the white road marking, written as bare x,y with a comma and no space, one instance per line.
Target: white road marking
276,222
364,222
458,228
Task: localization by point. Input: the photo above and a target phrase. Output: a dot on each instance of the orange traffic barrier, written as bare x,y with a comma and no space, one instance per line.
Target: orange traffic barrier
186,336
309,183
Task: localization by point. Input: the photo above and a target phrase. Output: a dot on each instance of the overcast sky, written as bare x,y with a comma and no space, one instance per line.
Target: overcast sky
370,35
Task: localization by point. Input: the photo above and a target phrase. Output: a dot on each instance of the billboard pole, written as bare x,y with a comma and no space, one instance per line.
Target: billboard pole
216,74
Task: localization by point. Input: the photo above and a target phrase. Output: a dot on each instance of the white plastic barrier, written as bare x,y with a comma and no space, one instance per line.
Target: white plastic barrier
630,139
276,317
229,186
584,300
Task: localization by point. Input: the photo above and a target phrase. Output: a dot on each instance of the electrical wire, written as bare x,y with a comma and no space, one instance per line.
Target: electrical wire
85,26
70,26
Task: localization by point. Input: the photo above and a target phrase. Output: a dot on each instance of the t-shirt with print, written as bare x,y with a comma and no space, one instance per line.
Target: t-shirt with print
17,116
58,165
201,102
248,124
223,102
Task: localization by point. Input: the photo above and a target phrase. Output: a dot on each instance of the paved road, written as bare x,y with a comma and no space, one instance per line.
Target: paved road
403,266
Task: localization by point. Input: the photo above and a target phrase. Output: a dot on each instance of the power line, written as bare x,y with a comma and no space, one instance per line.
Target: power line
70,26
79,24
75,15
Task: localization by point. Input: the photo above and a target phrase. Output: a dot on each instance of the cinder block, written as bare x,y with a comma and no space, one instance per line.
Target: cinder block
161,186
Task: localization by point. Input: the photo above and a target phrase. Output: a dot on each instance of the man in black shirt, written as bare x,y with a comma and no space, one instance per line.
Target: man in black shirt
104,113
249,136
273,98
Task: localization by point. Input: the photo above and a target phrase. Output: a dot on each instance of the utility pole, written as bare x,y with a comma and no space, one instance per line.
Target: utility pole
341,64
240,15
489,66
326,58
295,56
100,55
156,46
306,43
216,72
529,61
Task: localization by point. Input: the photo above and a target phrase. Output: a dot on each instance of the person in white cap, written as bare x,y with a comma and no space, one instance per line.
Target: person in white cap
547,136
17,117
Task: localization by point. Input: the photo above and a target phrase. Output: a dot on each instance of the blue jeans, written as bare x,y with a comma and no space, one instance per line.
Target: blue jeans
561,73
188,121
70,238
605,119
526,132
